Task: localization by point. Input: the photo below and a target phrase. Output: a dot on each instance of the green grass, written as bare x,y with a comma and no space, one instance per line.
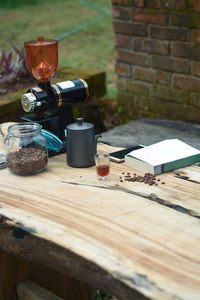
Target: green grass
91,47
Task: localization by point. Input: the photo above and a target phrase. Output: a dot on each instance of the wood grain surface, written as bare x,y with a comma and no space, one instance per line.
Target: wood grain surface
130,239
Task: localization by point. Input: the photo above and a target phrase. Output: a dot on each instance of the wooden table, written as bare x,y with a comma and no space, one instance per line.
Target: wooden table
129,239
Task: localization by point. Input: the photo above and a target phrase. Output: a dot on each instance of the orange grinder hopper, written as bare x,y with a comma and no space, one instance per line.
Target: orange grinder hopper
42,58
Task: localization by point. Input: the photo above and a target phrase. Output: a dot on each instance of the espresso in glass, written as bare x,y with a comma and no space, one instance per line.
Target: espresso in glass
102,161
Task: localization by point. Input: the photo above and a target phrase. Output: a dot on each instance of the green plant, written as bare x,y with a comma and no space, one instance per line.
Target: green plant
11,69
102,296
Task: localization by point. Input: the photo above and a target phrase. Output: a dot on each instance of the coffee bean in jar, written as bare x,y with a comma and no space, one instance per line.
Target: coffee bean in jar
27,161
26,149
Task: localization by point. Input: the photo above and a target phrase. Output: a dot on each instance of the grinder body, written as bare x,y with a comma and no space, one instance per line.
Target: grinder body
51,105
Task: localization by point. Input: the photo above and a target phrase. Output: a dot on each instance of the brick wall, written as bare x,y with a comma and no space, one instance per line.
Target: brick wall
157,54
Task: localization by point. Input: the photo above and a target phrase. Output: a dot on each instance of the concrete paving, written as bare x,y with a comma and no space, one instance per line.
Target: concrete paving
150,131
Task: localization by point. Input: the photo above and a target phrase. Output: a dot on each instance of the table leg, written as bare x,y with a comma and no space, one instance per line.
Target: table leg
14,270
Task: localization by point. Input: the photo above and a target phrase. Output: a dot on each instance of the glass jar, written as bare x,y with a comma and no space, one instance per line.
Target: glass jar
26,149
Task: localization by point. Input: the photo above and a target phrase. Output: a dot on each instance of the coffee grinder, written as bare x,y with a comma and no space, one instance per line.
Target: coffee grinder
50,105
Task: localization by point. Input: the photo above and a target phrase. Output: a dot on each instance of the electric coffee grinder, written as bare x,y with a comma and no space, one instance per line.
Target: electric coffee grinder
50,105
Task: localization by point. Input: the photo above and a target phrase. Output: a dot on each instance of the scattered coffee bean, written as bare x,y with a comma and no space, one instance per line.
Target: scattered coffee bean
148,178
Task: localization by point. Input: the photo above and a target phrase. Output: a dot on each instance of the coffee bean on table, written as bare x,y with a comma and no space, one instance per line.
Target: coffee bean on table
148,178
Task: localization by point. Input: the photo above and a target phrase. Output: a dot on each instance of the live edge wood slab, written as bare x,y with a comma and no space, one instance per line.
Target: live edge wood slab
129,239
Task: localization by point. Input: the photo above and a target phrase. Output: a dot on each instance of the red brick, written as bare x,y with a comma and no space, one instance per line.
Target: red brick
185,20
133,86
149,17
123,69
181,50
195,52
151,75
158,47
125,103
122,13
196,69
131,58
130,28
139,44
169,33
196,5
122,41
196,35
143,74
187,83
175,4
170,64
169,93
195,99
185,113
154,3
151,46
115,2
139,3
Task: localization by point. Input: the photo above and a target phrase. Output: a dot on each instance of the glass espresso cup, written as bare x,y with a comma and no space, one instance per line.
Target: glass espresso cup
102,161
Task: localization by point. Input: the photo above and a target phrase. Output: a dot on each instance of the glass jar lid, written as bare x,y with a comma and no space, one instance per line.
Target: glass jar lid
53,142
24,129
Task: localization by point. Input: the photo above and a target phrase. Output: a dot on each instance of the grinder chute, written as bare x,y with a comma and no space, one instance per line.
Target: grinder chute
50,105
